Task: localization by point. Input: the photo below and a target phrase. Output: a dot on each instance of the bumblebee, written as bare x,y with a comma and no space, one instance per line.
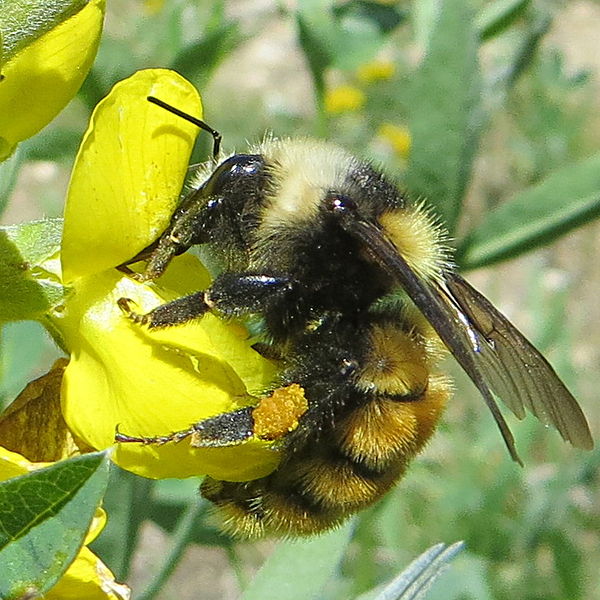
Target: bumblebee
359,301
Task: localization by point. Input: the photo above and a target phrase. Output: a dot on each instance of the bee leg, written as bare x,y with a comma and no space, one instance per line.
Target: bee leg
220,431
231,294
184,231
176,312
237,293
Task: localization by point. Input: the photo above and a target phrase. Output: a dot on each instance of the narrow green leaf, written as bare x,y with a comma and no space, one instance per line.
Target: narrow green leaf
497,16
565,200
424,15
127,502
414,582
24,21
9,170
26,290
23,345
318,36
524,53
298,569
44,517
383,17
444,114
199,60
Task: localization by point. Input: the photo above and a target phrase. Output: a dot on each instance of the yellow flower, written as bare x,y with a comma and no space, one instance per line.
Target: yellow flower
153,7
397,136
344,98
376,70
87,578
128,172
124,187
41,78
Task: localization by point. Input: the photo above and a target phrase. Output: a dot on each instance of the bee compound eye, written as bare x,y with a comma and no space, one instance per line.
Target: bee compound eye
339,203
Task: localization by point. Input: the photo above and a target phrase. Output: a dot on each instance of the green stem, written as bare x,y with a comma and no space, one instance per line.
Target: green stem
181,536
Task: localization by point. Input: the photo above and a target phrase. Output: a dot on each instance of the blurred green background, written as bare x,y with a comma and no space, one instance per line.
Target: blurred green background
490,110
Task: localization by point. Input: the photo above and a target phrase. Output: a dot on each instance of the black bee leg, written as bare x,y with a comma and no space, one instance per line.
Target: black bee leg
231,294
176,240
238,293
220,431
185,230
177,312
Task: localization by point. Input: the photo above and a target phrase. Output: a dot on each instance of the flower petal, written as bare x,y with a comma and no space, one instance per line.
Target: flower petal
12,464
40,79
151,383
128,173
88,578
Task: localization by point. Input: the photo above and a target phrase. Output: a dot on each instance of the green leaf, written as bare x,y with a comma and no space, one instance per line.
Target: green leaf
199,60
414,582
44,517
318,36
497,16
565,200
127,503
27,288
9,170
424,15
342,36
23,346
24,21
383,17
299,569
444,113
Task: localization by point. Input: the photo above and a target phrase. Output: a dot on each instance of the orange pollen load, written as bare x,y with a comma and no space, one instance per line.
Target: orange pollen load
278,414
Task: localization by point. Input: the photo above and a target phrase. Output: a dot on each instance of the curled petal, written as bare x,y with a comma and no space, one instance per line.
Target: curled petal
128,173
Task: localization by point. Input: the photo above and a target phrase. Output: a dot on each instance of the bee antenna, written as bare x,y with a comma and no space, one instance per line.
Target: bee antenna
199,123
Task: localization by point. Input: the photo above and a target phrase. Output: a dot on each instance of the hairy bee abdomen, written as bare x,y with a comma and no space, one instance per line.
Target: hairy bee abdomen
342,472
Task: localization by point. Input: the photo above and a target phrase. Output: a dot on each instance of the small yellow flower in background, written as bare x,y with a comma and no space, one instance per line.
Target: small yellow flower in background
344,98
87,578
124,187
153,7
397,136
41,78
376,70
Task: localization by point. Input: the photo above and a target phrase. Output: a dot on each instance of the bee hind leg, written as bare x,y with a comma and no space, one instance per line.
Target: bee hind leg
227,429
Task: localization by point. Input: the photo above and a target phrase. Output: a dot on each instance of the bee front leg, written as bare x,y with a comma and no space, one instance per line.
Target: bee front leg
184,231
231,294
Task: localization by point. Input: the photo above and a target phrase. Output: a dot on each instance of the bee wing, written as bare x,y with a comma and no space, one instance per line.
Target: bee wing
516,371
493,353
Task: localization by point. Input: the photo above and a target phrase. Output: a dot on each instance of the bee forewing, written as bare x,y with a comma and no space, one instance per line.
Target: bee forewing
515,370
494,354
449,323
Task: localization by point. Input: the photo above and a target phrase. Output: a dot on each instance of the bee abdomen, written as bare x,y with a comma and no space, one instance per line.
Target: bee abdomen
349,469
